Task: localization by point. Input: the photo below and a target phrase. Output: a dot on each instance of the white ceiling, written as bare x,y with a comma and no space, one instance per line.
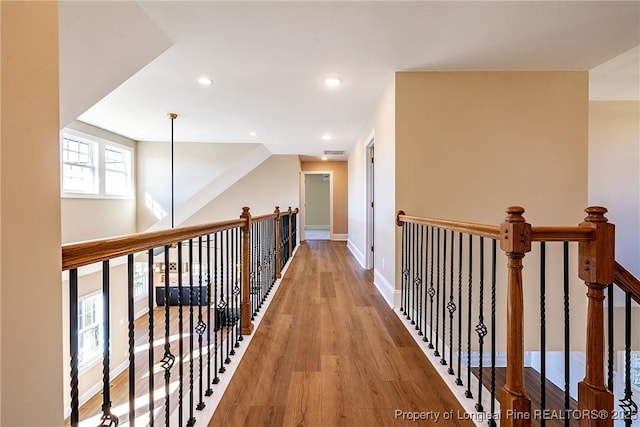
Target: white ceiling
268,61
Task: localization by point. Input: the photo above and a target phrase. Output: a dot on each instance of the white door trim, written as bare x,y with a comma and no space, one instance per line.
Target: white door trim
369,198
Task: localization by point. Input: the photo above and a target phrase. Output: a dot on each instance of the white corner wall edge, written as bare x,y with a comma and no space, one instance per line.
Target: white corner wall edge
356,253
388,292
209,192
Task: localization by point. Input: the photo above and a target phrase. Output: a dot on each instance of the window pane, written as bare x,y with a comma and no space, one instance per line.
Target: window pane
78,170
117,171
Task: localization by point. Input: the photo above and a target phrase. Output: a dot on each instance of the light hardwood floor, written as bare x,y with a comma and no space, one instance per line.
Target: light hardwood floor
330,352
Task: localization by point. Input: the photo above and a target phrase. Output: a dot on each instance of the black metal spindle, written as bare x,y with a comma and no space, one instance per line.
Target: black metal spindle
424,264
567,337
217,317
222,303
436,352
467,393
412,268
132,344
420,279
543,331
481,328
443,361
74,418
209,391
229,305
458,379
492,421
431,291
236,290
168,358
629,407
239,282
181,339
151,403
451,306
610,349
201,327
192,419
405,272
107,417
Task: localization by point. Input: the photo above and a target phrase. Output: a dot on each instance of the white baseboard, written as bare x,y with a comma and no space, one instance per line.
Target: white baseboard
386,289
356,253
339,237
317,227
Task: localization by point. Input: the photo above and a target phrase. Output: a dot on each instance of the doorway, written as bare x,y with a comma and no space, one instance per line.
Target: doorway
370,205
317,207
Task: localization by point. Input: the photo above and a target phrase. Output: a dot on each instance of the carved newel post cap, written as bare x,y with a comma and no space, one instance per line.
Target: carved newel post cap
245,212
514,214
289,209
277,210
596,214
398,221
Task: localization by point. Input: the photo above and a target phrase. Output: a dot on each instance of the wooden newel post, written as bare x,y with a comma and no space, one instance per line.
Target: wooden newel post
596,267
515,240
277,225
247,325
290,242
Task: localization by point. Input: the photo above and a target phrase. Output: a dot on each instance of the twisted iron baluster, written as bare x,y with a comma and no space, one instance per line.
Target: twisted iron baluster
436,352
168,359
567,342
468,394
610,308
229,306
443,361
107,419
627,404
132,344
420,276
209,391
492,421
192,420
451,306
73,346
201,327
543,331
424,262
432,292
181,340
458,379
151,314
218,319
405,272
481,328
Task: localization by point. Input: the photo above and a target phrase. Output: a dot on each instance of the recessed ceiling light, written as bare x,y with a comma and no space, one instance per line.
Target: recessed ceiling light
326,137
324,157
332,82
253,133
205,81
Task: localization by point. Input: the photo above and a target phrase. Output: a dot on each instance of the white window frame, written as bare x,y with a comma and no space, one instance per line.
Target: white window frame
140,281
99,322
99,145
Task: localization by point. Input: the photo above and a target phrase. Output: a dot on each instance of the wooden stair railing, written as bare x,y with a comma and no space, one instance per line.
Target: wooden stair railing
597,268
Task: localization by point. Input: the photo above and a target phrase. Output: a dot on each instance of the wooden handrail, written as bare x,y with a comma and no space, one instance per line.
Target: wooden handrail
547,233
627,281
76,255
263,217
490,231
287,213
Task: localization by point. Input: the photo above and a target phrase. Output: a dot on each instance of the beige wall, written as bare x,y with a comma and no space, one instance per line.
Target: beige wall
30,187
274,182
86,218
614,172
195,166
472,143
317,198
340,191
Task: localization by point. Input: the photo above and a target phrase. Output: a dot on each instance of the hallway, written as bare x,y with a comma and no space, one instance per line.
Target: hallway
330,352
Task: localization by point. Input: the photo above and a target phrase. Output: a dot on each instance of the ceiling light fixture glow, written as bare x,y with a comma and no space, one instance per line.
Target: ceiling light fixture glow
324,157
332,82
326,137
253,133
205,81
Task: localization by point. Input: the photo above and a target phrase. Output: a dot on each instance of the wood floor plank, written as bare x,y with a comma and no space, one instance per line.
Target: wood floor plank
335,355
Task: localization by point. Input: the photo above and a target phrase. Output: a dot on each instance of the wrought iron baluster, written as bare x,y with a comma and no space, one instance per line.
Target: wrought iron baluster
405,271
209,391
74,418
167,359
217,317
236,288
201,327
629,407
458,379
239,283
431,291
567,340
229,307
481,328
420,280
132,344
492,421
181,340
107,419
151,372
416,279
443,361
451,306
468,394
436,352
543,331
222,303
424,261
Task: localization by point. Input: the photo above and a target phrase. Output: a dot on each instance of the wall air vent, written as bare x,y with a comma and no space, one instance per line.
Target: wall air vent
333,152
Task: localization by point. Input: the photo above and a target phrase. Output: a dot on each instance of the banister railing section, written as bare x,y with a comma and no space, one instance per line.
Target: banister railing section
474,318
204,285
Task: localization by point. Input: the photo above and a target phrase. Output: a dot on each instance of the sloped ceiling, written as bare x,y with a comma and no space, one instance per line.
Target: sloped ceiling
268,60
